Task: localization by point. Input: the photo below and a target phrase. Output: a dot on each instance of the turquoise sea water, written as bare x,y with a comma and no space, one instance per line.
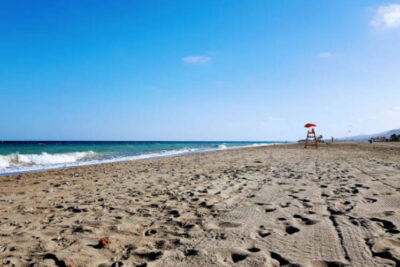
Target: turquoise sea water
25,156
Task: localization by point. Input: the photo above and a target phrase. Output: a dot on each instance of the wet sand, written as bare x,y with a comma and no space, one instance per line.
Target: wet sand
263,206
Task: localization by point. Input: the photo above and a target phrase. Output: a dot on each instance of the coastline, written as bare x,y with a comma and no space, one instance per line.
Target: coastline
254,206
148,155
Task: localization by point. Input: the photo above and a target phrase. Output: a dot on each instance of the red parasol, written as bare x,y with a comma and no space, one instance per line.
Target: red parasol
310,125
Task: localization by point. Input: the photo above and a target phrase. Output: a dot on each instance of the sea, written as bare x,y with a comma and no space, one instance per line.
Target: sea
28,156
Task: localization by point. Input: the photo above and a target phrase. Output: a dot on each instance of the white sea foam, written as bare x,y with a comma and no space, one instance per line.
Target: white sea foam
15,159
262,144
222,146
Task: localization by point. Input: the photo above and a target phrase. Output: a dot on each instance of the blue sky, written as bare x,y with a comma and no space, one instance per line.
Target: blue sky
197,70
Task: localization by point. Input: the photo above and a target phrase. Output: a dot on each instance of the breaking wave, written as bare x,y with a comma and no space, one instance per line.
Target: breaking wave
18,163
14,160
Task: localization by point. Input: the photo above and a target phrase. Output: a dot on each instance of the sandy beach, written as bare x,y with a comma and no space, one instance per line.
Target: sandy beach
263,206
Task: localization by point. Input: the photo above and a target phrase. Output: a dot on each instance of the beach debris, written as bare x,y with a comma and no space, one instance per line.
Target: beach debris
104,242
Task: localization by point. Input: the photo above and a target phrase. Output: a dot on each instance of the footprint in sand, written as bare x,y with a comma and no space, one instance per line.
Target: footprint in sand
370,200
282,261
229,225
150,232
150,256
291,229
236,257
285,205
253,249
263,233
387,225
191,252
304,220
270,210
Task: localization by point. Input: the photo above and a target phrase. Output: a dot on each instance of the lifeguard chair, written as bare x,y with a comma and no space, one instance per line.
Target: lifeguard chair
311,139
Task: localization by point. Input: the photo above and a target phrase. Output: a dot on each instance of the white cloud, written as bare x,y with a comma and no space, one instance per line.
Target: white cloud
396,108
387,16
325,54
196,59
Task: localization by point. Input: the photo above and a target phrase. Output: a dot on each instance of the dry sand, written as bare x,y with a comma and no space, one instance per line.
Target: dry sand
266,206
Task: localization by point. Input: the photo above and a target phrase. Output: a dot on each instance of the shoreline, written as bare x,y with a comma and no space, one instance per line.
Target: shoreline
257,206
42,168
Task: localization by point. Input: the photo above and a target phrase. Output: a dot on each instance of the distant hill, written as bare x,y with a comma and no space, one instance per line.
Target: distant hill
366,137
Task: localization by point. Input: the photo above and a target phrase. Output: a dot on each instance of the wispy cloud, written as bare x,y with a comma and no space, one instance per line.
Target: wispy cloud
387,16
196,59
396,108
325,54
